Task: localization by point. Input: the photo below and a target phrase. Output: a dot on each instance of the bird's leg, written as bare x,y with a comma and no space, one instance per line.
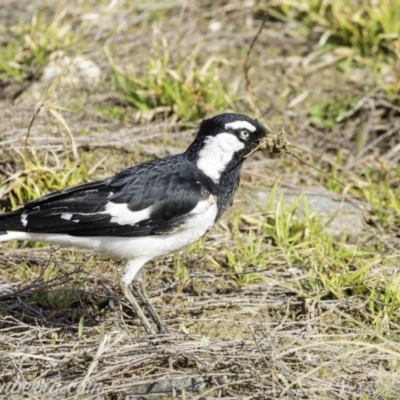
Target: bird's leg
138,285
127,291
133,275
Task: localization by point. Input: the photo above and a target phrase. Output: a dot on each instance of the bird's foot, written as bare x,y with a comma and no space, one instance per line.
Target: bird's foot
138,285
139,312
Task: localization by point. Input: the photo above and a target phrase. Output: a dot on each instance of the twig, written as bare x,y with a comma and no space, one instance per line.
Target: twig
246,60
53,109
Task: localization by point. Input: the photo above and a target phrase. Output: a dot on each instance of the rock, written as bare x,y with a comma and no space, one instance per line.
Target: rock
163,388
75,72
341,216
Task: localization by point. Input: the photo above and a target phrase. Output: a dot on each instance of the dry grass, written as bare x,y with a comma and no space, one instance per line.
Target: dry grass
259,341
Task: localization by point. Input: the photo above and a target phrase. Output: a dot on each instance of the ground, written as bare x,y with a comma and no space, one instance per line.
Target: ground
295,294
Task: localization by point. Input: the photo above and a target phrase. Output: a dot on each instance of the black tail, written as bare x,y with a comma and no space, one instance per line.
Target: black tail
11,221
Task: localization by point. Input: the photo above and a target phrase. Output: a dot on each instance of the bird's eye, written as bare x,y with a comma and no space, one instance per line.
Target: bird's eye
244,134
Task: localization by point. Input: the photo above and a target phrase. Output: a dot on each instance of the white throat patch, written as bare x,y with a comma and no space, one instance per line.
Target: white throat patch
217,152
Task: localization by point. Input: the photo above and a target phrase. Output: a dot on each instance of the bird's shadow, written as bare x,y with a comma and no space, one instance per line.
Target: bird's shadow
56,303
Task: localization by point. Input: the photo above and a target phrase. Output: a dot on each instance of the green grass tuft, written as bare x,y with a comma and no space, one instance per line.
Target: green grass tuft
187,89
31,43
331,268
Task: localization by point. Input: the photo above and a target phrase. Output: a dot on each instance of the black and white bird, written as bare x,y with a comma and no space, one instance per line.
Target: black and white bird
148,210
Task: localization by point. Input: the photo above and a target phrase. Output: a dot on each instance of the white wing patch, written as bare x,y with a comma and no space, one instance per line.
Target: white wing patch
24,219
217,152
122,215
241,125
66,216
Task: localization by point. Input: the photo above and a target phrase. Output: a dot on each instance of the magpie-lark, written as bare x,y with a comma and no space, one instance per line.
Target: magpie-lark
145,211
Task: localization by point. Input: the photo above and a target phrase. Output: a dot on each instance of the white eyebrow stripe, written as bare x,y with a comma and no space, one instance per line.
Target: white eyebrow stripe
241,125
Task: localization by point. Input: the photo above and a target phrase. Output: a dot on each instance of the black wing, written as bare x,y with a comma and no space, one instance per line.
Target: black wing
170,186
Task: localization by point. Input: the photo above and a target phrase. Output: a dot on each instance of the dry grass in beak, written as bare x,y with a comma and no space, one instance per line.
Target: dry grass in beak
274,143
277,143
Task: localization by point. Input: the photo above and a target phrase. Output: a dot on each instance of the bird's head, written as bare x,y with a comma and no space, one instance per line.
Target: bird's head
223,142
